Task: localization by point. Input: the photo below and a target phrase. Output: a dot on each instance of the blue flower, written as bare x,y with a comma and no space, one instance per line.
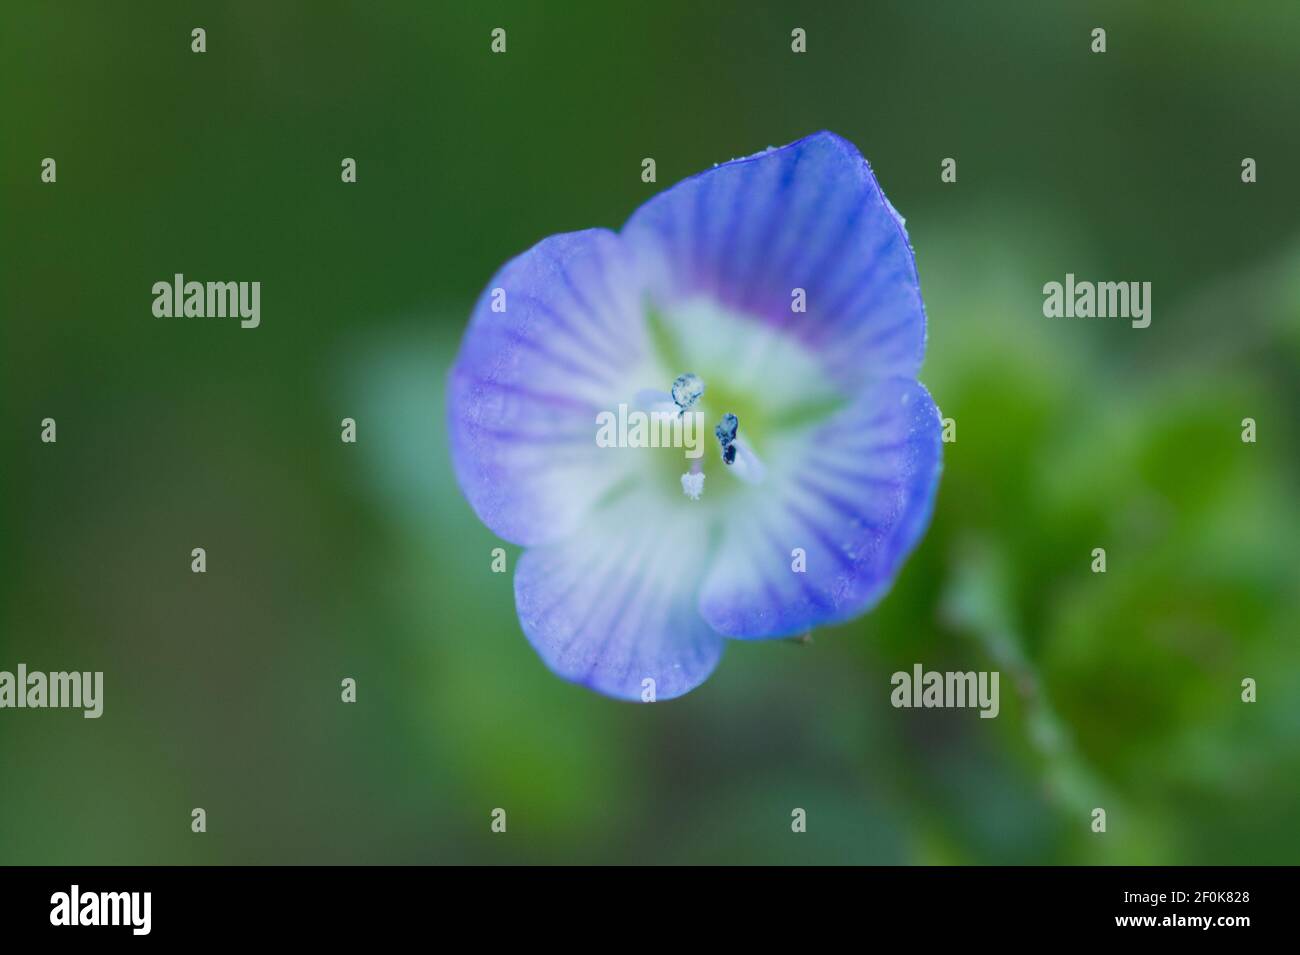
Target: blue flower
776,298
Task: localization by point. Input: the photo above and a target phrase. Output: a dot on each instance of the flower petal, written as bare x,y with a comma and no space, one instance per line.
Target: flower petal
615,603
855,494
526,387
806,216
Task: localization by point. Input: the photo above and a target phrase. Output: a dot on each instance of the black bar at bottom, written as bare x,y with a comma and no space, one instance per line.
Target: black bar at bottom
334,904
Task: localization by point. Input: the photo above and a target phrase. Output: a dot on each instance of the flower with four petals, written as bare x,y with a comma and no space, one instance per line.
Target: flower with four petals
775,295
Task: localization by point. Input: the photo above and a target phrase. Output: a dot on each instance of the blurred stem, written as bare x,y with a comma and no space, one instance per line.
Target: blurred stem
979,601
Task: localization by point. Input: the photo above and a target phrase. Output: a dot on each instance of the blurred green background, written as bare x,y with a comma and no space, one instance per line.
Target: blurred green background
328,560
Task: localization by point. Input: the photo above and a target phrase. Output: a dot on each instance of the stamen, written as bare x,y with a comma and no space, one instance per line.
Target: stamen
736,452
726,433
687,389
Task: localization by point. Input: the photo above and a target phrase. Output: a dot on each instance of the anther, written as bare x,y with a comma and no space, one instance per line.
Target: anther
726,434
687,390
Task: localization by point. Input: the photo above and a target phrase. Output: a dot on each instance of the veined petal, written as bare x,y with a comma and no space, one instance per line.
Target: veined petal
853,494
614,604
808,216
529,381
